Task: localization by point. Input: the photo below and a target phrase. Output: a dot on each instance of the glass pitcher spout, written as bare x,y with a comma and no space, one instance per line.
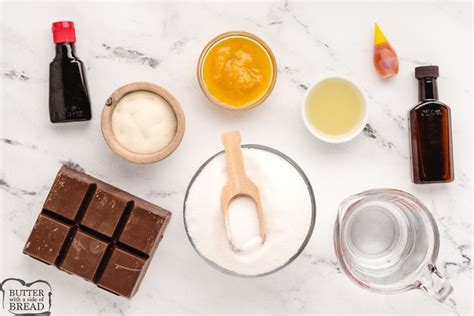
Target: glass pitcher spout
347,203
353,199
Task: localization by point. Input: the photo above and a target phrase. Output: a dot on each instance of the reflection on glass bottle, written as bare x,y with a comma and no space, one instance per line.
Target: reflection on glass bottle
430,132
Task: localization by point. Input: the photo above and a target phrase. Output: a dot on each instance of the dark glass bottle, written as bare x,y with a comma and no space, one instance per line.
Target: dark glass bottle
68,95
430,132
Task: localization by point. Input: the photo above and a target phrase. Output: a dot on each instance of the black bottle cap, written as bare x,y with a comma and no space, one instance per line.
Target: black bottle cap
426,72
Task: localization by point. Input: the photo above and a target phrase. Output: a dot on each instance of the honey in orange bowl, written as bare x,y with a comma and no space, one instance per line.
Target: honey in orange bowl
237,70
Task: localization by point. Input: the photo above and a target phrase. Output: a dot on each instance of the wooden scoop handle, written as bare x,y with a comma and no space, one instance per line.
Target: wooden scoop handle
238,183
234,158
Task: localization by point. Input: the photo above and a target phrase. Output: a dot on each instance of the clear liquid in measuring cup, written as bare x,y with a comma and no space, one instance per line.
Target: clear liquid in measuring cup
387,241
384,241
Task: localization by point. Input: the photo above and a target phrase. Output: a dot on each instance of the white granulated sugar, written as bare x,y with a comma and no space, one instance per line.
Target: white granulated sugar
143,122
287,206
243,223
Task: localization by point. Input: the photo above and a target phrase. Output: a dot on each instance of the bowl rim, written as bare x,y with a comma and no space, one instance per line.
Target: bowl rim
335,140
119,149
202,58
310,229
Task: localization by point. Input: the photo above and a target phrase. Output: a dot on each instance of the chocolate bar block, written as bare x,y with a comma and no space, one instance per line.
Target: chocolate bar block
84,255
125,266
47,238
141,230
98,232
66,195
104,212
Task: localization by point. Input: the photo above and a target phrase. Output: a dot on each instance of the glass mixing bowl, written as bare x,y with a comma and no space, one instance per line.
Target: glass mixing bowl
308,235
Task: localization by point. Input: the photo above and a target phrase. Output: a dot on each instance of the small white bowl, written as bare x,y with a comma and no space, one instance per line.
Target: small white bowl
335,140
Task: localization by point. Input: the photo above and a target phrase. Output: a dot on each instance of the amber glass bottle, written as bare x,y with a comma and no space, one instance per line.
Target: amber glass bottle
430,132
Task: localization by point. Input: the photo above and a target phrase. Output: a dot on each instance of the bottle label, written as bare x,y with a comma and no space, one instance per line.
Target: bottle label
430,112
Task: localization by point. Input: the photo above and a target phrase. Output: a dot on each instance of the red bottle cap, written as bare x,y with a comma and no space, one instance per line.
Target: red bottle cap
64,32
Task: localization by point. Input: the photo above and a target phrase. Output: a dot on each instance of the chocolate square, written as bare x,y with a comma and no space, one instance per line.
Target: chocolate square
79,227
66,195
142,230
84,256
122,273
46,239
104,212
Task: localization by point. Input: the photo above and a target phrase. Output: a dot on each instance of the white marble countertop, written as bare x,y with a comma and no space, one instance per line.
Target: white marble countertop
160,42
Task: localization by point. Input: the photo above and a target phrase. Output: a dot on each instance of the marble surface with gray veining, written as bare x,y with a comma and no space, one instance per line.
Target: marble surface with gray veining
160,42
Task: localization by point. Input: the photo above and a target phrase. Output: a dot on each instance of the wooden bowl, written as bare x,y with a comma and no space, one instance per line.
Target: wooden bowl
106,123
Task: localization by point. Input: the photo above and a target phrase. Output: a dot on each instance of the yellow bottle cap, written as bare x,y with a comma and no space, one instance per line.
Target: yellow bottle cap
379,36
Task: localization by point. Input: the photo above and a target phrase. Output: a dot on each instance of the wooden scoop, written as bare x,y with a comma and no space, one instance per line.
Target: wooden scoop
238,184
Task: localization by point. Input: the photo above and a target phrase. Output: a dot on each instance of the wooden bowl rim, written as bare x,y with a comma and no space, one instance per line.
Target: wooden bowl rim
119,149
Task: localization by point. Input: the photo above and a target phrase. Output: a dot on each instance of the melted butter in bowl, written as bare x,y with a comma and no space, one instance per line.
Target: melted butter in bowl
143,122
237,70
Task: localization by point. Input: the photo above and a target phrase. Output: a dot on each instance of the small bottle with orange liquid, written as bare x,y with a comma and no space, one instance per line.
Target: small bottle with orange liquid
385,57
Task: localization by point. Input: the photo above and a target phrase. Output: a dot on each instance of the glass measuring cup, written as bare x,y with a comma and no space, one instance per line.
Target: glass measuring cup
387,241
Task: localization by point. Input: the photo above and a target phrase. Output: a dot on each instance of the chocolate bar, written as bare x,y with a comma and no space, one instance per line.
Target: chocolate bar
98,232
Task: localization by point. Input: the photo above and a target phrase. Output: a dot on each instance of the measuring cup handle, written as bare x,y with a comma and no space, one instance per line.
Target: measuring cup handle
435,284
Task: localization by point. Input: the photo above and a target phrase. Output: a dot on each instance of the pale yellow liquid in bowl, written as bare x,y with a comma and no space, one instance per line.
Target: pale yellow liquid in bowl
335,108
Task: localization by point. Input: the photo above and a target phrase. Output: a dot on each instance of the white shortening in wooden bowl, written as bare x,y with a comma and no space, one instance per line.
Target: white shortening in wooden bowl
120,149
